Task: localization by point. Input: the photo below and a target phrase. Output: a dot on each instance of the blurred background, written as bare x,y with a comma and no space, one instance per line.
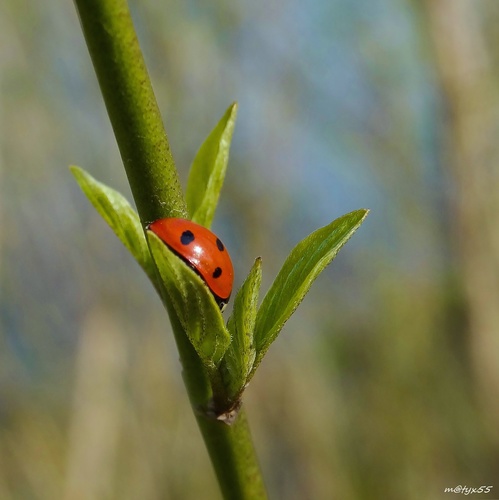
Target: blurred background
385,383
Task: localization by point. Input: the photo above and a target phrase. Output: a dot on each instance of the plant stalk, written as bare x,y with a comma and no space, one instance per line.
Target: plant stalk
132,108
144,148
230,447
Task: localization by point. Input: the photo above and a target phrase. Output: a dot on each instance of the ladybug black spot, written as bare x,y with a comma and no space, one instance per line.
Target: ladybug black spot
217,272
187,237
220,245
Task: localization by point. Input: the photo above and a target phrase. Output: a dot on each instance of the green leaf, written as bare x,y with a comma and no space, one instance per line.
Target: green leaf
301,268
240,356
207,173
194,304
121,217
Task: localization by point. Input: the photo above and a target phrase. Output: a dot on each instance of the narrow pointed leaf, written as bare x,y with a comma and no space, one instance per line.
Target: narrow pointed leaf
194,304
121,217
240,356
301,268
207,173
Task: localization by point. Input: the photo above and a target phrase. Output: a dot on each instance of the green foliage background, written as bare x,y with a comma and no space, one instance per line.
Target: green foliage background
384,384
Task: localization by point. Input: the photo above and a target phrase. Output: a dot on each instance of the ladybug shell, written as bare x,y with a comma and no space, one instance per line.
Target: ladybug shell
202,250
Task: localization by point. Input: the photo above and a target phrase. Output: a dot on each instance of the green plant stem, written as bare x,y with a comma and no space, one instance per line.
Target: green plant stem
149,165
230,448
132,108
232,454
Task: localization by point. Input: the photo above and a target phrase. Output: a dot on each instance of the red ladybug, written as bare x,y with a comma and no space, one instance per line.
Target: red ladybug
202,250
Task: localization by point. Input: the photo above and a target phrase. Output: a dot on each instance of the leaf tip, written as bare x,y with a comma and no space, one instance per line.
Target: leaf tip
75,170
359,214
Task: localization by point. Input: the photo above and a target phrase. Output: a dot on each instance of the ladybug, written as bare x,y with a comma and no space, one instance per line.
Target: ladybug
200,249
